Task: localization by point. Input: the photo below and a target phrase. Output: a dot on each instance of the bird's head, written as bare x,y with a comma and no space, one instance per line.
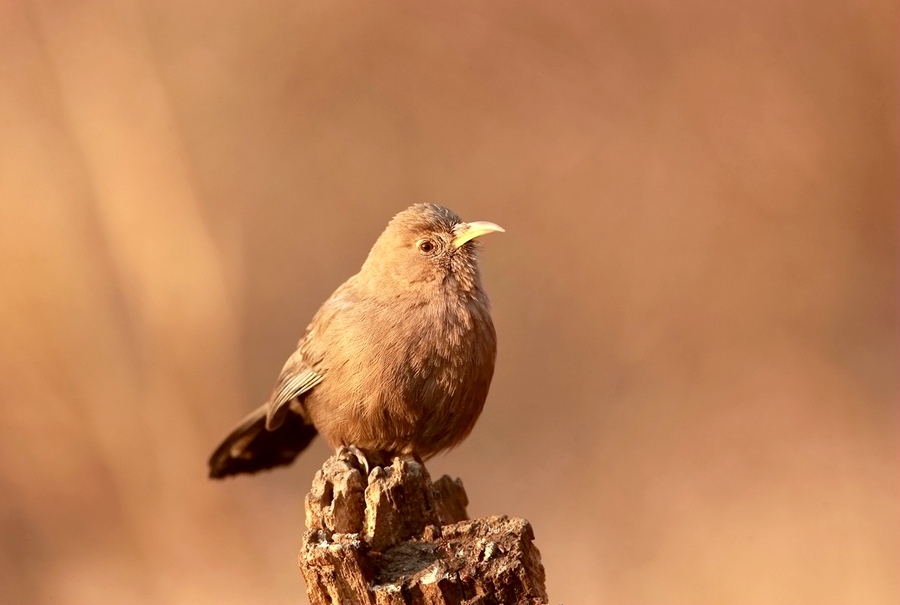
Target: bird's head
428,246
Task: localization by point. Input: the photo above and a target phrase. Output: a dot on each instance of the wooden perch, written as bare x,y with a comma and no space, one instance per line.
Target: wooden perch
395,538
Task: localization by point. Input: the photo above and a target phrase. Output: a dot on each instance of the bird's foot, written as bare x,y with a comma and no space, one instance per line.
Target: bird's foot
359,455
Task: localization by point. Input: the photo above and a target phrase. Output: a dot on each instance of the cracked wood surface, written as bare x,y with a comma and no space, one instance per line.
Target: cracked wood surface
394,537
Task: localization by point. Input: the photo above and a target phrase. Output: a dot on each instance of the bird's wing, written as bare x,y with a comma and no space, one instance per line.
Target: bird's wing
302,370
296,379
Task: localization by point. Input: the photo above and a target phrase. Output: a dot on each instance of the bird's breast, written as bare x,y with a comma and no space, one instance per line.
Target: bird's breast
416,378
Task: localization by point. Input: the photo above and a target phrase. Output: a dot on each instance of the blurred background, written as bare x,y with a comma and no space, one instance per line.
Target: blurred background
696,398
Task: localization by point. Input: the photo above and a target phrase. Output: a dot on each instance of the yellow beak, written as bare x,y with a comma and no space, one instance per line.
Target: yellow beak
468,231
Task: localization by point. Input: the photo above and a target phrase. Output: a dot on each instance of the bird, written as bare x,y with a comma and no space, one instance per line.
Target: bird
397,362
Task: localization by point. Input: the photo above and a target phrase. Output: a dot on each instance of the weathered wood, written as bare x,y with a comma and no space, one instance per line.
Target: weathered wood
392,537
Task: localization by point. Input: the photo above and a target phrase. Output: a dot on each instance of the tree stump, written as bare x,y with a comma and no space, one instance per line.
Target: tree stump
393,537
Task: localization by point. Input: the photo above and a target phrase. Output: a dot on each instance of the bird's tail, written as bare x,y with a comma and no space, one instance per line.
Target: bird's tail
250,447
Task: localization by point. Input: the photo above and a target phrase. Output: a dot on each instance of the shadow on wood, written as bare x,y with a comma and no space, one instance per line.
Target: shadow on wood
395,538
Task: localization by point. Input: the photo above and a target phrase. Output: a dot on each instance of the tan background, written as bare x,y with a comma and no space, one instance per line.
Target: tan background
696,397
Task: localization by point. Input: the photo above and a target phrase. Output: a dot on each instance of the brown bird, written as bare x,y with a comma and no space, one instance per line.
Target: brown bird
397,362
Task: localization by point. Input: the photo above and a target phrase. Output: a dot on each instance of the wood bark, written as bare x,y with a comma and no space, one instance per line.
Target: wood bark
392,537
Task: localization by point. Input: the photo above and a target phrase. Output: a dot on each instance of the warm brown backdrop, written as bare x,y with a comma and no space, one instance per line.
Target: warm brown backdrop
697,392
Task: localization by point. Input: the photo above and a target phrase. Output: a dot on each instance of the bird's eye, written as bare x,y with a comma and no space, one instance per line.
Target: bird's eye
425,245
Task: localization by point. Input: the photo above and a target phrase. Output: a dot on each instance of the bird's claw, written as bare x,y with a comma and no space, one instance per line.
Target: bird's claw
358,454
